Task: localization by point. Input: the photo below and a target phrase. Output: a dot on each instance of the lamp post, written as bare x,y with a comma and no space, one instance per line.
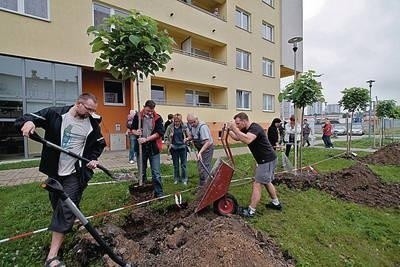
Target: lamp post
370,107
295,41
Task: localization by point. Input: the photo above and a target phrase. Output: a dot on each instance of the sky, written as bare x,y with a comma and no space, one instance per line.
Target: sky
352,41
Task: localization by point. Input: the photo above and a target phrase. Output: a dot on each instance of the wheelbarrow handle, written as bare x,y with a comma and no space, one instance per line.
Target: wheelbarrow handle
34,136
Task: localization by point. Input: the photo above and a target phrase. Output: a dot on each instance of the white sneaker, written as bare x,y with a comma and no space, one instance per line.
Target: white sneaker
185,183
176,182
131,162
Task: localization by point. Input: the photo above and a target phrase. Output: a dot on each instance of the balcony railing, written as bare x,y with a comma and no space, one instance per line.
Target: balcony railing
184,104
187,53
218,16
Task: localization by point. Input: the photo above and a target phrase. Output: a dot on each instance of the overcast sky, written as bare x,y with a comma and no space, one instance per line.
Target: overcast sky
352,41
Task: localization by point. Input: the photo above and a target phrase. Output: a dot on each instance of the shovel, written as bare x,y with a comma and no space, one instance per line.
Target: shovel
34,136
54,186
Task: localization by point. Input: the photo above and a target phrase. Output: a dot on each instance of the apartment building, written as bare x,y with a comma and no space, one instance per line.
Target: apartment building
227,58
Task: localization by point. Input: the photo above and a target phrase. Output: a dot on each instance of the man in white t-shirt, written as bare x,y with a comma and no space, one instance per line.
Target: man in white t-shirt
75,128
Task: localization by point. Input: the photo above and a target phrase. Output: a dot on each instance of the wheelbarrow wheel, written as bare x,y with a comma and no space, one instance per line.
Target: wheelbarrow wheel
226,205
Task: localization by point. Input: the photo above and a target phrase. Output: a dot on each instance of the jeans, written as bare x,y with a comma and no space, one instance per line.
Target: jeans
179,154
207,156
132,147
327,141
155,164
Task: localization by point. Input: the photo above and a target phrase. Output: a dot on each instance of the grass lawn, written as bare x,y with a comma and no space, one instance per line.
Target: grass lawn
316,229
364,142
388,173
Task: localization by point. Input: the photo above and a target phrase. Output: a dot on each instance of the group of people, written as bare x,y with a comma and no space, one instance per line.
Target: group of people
76,128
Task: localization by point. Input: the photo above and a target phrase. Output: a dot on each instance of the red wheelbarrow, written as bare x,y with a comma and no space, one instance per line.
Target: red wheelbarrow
216,189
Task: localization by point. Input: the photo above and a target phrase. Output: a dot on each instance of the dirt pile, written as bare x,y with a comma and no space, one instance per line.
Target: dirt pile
357,184
388,155
181,238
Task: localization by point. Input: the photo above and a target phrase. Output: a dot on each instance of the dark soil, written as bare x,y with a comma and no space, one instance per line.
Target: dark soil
357,183
181,238
174,237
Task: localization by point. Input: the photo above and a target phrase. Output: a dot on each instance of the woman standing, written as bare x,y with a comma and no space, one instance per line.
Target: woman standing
175,134
273,132
132,138
291,129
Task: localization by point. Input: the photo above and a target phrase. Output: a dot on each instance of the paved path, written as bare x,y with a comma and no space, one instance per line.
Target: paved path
115,160
112,160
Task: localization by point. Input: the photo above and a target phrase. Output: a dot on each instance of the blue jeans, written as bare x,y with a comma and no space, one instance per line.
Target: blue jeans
132,147
327,141
179,154
155,163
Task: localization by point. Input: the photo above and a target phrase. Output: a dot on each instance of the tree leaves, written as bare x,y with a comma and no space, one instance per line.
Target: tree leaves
128,45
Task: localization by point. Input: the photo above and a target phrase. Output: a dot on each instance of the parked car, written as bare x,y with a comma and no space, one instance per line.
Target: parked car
357,129
339,130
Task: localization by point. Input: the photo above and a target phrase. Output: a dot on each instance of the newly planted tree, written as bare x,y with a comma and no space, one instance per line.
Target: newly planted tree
302,92
128,47
354,99
385,109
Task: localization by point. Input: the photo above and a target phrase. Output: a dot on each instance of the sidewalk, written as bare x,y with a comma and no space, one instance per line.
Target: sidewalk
112,160
115,160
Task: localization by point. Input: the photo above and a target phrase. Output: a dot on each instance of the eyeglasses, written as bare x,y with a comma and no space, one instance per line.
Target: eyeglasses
191,122
90,110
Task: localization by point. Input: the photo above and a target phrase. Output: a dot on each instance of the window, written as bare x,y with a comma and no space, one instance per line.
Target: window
197,98
243,99
242,59
39,80
100,12
158,94
269,2
243,19
34,8
268,102
114,93
10,77
268,31
268,67
66,83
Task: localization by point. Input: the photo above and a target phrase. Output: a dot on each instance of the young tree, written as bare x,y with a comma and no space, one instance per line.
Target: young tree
128,47
385,109
354,99
302,92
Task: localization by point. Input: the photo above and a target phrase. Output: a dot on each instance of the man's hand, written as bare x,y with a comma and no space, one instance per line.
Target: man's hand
92,164
142,140
28,128
199,157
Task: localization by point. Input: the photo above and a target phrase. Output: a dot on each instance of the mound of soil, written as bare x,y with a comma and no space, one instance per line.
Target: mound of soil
388,155
357,184
181,238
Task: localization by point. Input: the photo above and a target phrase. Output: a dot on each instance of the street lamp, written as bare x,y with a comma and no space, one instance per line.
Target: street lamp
370,107
295,41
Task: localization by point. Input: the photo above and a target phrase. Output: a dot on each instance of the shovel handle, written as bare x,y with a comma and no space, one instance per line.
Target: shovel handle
34,136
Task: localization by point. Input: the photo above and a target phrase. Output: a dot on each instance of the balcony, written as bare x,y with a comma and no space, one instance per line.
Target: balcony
197,53
187,94
214,8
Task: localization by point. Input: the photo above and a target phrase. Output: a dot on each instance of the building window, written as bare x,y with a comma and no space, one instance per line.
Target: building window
268,67
269,2
158,94
268,102
66,82
242,19
34,8
101,12
39,80
243,60
268,31
243,99
197,98
114,93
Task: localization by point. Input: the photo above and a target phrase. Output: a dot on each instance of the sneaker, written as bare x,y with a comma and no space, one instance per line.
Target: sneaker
176,182
245,212
185,183
273,206
131,162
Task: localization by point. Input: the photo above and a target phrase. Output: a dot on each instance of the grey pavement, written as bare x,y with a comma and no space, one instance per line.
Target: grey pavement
112,160
117,160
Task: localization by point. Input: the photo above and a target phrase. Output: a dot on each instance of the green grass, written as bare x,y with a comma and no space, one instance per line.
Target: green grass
316,229
19,165
388,173
364,142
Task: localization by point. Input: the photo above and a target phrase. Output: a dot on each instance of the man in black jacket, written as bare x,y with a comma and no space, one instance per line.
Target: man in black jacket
73,128
150,136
